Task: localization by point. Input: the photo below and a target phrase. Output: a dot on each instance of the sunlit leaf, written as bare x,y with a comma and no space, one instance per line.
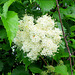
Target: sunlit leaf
61,69
11,25
6,6
46,5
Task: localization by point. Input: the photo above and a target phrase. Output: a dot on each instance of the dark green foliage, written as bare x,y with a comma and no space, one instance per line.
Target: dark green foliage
3,1
17,6
14,62
35,69
1,65
26,62
20,70
2,33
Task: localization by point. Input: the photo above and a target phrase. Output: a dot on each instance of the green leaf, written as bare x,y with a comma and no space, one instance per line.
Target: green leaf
9,73
72,8
3,1
67,2
71,12
18,8
26,62
46,5
61,69
71,17
6,47
59,26
61,50
65,54
19,56
57,57
0,9
1,65
1,22
2,74
72,28
35,69
72,45
11,25
69,69
31,1
20,70
66,12
72,56
2,33
20,1
72,34
6,6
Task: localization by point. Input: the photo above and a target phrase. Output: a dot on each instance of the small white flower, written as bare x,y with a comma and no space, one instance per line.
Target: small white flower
40,38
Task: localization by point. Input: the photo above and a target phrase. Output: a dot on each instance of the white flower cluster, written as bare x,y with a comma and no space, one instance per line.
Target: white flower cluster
39,38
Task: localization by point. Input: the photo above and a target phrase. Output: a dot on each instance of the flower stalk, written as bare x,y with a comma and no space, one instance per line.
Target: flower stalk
65,38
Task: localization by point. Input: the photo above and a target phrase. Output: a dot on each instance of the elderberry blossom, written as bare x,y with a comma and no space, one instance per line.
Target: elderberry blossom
40,38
